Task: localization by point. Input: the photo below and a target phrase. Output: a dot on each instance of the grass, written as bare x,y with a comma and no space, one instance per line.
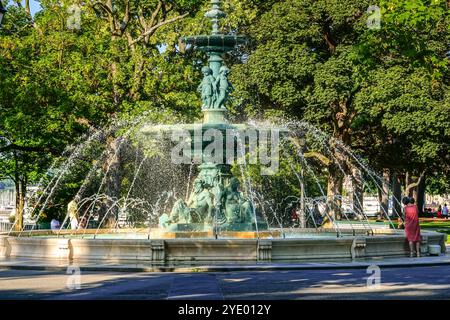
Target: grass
442,226
438,225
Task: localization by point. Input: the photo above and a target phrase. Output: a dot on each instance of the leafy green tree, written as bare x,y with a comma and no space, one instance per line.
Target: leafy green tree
405,97
59,80
318,61
39,115
302,65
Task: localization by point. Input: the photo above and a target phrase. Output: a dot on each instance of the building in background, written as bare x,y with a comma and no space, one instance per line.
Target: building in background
7,199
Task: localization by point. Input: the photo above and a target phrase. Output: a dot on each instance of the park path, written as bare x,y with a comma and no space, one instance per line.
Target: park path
395,283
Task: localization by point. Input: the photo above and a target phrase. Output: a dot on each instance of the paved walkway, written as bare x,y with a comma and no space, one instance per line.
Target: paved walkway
395,283
400,278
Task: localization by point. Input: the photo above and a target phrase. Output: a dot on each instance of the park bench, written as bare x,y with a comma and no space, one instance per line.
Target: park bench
359,225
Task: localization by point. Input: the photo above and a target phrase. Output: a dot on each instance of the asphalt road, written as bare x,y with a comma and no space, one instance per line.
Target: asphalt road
395,283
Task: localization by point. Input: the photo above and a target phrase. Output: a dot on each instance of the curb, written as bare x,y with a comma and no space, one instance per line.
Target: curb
194,269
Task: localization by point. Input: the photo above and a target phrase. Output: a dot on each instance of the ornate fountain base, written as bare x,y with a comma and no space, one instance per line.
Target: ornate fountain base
248,226
215,200
166,248
191,227
215,116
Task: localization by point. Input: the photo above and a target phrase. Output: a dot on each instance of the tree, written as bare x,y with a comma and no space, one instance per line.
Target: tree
405,98
318,61
38,116
303,66
62,81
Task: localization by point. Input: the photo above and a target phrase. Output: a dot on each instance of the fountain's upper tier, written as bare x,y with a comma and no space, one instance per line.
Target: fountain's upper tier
219,43
215,43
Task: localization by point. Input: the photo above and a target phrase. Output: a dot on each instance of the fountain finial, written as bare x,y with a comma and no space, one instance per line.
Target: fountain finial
215,87
215,13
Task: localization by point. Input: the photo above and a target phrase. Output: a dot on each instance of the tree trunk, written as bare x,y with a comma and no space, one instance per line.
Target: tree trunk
27,8
421,193
410,183
397,195
20,203
357,193
334,192
384,194
302,217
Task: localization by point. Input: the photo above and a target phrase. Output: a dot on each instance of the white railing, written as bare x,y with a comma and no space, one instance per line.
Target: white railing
5,226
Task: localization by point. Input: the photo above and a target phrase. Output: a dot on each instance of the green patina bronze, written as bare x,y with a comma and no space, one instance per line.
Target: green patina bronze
216,201
215,45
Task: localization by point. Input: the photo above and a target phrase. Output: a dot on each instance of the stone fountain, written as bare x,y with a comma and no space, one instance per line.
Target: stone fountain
216,203
217,222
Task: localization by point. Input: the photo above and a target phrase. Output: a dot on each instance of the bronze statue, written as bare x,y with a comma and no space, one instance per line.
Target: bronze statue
199,207
207,88
223,87
237,208
201,201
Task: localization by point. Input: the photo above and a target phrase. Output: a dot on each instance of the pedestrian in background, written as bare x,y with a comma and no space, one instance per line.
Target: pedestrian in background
412,228
445,211
54,224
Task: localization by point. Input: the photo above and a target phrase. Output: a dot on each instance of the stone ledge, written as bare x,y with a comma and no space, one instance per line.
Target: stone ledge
164,251
434,250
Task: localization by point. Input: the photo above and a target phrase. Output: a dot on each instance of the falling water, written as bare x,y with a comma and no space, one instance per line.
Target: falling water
154,183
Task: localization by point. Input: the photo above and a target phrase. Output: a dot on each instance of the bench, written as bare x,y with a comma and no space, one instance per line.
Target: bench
358,225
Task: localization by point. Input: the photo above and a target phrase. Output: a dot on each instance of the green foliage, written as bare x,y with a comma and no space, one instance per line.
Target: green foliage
438,183
318,61
57,82
383,91
405,93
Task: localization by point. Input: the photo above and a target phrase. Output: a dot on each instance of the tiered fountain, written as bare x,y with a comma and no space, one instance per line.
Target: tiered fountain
215,204
215,222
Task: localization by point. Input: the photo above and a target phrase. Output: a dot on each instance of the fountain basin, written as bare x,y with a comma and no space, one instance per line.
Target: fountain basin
231,248
215,43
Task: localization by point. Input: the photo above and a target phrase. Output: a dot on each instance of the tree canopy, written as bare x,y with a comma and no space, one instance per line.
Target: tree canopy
78,66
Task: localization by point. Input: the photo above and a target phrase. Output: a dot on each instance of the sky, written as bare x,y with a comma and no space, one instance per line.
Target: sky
34,5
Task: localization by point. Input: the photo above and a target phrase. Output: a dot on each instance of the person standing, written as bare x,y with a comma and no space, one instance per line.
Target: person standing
439,211
445,211
412,228
72,212
54,224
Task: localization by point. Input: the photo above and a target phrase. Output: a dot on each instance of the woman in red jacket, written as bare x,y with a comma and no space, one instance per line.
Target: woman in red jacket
412,228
